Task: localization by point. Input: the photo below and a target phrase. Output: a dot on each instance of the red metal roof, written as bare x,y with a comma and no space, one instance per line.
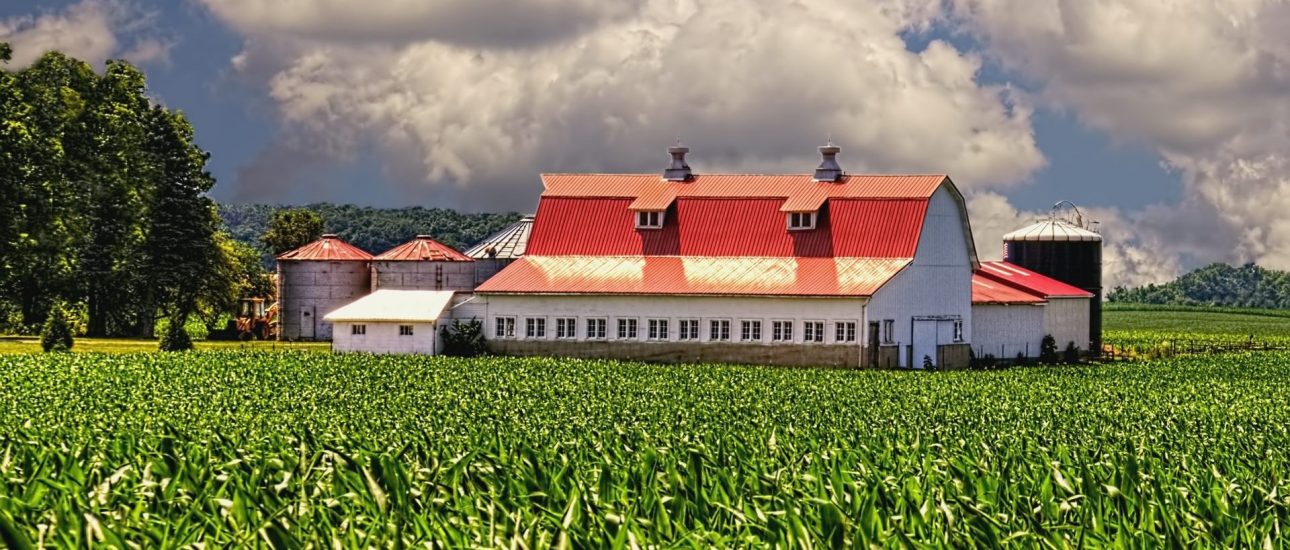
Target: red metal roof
423,248
328,248
1029,281
989,291
727,227
734,186
673,275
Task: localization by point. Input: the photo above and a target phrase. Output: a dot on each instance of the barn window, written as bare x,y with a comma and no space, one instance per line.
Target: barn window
750,331
719,330
689,329
535,327
358,330
781,331
958,331
813,331
405,330
505,327
627,329
566,327
658,329
888,331
649,220
596,329
801,220
845,331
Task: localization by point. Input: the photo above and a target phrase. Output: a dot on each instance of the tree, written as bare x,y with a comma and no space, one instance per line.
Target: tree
6,52
56,335
238,274
291,229
464,339
1048,350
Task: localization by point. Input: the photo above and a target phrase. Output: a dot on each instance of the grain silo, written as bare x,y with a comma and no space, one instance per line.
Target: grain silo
423,264
1065,248
315,279
500,249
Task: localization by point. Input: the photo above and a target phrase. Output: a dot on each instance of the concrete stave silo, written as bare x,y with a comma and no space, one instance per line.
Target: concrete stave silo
423,264
315,279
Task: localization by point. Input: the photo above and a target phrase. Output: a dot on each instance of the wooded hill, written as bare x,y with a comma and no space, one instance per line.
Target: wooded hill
372,229
1217,284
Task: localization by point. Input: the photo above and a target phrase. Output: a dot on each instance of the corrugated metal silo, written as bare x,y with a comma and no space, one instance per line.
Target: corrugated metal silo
500,249
1066,249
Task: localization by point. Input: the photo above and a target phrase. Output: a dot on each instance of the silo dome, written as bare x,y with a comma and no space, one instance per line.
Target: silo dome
1053,230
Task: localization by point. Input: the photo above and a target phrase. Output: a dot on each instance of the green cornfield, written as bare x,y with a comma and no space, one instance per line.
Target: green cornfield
241,449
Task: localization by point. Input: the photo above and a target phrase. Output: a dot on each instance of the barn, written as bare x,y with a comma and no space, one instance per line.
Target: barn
1013,308
823,268
315,279
392,321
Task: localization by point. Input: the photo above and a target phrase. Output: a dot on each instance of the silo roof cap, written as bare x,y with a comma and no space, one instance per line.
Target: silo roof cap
1053,230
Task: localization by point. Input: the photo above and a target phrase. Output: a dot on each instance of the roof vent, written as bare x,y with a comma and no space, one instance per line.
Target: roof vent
679,170
829,169
330,236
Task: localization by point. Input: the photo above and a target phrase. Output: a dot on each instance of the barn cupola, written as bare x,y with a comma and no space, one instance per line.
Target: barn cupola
679,170
829,170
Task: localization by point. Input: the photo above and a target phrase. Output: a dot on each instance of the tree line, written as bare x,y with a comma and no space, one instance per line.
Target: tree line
103,205
1218,284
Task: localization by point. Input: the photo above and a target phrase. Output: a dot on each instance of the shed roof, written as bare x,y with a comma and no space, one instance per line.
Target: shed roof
507,244
410,306
423,248
328,248
1053,230
1026,280
690,275
989,291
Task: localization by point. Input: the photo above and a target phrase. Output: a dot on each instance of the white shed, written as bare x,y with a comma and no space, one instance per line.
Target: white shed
392,321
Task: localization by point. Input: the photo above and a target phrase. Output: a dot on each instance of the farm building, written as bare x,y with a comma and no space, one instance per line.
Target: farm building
1013,308
392,321
423,264
315,279
821,269
500,249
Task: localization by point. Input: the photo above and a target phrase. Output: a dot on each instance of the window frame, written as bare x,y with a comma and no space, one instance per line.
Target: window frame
358,329
754,332
406,330
888,331
602,334
660,216
719,327
657,329
566,328
504,327
684,334
816,327
535,328
846,332
781,331
802,221
958,331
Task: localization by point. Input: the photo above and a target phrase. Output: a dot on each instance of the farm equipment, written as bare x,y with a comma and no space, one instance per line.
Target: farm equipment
252,321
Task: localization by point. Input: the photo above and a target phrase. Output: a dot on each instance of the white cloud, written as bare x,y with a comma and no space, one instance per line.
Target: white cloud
90,30
747,87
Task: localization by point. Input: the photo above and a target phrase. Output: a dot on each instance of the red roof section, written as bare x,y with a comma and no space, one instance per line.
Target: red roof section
423,248
734,186
1024,279
989,291
328,248
854,277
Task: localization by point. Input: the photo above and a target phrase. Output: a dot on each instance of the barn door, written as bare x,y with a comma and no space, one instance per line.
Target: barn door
307,322
924,343
873,345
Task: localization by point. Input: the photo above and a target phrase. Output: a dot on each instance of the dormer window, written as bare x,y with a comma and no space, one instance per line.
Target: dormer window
801,220
649,220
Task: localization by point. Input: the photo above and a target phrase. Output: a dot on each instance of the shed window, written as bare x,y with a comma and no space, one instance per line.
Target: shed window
845,331
781,331
405,330
750,331
358,330
505,327
958,331
889,331
627,329
720,330
813,331
801,220
689,329
566,327
649,220
535,327
596,329
658,329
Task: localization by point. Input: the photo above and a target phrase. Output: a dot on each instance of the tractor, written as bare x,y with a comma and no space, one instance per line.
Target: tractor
252,321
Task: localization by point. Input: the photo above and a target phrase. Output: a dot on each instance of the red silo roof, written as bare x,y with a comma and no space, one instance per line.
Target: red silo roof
423,248
1026,280
328,248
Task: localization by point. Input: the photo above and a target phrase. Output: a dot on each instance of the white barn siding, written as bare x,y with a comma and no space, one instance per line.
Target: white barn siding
1067,320
937,284
383,337
1006,330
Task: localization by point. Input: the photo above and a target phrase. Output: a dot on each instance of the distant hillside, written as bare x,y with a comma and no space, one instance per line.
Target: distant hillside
373,229
1216,285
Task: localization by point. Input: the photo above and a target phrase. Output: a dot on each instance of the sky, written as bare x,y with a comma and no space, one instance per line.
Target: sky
1168,121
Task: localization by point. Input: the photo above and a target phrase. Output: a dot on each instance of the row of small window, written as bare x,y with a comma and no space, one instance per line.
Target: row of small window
361,330
719,330
654,220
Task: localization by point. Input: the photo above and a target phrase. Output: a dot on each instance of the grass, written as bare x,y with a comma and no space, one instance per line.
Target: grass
290,449
31,344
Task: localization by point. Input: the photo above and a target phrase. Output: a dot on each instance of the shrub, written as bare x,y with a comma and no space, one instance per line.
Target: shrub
1071,355
464,339
1048,350
927,363
56,334
175,338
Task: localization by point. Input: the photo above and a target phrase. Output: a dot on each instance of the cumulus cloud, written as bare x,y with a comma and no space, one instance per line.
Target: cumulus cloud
91,30
747,87
1204,82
